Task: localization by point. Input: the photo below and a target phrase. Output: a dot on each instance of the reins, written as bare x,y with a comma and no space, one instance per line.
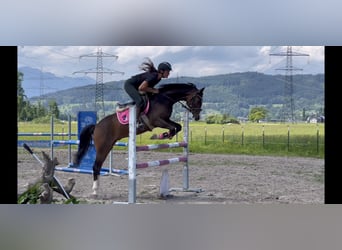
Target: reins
181,103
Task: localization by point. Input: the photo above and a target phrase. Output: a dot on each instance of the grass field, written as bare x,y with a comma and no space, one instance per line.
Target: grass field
279,139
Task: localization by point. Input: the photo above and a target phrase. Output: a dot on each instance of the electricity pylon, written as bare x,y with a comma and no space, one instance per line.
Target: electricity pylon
288,104
100,70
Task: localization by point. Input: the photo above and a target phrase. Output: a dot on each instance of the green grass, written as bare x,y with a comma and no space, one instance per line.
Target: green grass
301,139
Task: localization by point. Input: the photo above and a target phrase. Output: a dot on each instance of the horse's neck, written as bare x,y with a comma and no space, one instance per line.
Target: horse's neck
176,97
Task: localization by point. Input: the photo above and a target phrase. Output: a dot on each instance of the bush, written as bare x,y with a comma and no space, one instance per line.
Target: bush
221,119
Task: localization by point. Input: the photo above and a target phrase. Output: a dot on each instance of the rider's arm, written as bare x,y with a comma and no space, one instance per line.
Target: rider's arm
145,88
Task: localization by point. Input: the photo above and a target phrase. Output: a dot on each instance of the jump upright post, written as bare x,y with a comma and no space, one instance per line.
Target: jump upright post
132,156
132,153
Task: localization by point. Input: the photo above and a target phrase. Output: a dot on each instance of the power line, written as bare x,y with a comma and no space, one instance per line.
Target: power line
99,71
288,104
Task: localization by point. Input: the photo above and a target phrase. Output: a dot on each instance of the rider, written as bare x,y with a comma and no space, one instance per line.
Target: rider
143,83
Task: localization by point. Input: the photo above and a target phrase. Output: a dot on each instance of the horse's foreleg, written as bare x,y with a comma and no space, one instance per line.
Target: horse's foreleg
173,132
173,128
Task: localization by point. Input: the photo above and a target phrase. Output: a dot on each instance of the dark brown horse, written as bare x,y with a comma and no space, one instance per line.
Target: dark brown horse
109,130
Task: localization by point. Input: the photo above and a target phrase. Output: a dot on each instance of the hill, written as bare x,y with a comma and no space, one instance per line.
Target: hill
36,82
234,94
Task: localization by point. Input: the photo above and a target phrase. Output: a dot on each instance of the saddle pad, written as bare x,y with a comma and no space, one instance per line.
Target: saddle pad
123,114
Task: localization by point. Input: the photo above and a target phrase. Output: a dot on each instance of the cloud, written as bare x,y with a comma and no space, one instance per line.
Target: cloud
186,60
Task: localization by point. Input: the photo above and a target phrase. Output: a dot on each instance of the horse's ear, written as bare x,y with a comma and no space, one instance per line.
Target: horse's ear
201,90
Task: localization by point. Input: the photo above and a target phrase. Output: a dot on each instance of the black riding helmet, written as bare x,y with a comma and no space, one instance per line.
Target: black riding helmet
164,66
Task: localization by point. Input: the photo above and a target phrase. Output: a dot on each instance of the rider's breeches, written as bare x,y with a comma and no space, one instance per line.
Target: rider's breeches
135,95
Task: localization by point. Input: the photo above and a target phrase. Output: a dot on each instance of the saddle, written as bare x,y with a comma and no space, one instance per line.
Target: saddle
123,106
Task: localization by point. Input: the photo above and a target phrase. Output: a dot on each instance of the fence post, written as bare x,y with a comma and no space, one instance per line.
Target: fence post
242,134
205,136
263,136
69,137
288,137
223,133
317,139
51,136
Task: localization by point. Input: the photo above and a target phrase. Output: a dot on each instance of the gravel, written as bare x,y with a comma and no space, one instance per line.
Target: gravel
223,179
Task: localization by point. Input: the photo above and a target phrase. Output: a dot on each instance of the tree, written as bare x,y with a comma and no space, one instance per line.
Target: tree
53,108
20,90
257,113
22,104
220,119
26,111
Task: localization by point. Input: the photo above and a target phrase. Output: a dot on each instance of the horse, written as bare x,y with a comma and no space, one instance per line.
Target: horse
109,130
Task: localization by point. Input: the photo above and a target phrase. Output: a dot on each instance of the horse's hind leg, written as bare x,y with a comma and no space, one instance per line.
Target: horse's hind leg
102,146
96,173
103,142
105,135
101,155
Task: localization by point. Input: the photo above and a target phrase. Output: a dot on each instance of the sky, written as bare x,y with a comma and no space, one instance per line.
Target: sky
177,22
193,61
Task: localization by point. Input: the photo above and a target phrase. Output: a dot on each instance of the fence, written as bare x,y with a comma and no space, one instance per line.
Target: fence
297,139
301,139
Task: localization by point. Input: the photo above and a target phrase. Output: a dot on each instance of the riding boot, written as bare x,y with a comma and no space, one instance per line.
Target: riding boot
146,121
143,120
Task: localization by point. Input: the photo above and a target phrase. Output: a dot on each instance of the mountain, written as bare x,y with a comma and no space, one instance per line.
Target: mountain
234,94
36,82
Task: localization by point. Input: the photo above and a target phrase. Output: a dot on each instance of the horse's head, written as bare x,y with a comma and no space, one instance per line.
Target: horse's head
188,92
194,103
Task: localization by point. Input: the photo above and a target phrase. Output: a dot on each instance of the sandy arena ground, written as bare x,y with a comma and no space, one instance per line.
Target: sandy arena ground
223,179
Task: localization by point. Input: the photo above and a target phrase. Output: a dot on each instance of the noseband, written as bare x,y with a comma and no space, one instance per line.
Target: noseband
191,101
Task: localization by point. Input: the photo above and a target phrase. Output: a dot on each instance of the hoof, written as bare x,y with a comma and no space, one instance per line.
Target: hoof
95,188
154,137
165,197
162,136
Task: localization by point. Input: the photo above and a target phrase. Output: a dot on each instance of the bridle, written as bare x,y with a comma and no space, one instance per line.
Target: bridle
191,103
190,100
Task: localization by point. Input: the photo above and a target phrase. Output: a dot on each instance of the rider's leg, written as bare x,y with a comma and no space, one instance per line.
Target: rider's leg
139,101
143,117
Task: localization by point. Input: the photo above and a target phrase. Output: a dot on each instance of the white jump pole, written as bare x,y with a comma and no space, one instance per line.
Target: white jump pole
132,183
186,151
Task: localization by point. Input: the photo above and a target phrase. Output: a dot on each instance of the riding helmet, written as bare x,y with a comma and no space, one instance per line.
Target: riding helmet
164,66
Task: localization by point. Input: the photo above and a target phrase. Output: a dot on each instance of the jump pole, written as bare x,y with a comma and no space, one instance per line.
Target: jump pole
132,182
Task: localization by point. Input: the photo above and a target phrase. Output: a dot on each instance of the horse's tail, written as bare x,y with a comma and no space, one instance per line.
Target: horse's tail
85,139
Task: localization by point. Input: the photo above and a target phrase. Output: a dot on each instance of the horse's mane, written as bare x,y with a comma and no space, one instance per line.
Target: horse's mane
179,86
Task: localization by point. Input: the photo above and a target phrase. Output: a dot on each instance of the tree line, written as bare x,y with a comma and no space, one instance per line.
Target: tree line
27,111
256,114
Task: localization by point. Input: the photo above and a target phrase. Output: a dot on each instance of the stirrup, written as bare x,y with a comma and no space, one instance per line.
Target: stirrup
140,125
